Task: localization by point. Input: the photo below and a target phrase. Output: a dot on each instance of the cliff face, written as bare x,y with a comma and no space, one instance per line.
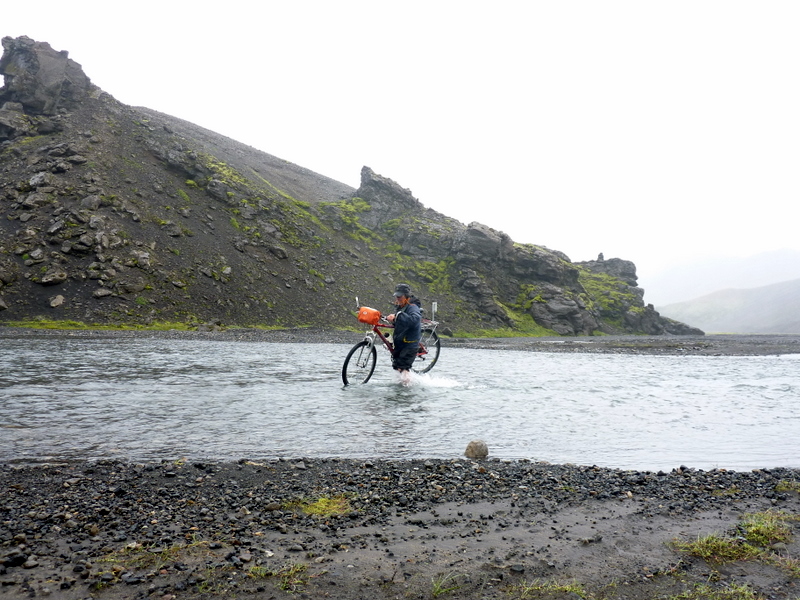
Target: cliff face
116,214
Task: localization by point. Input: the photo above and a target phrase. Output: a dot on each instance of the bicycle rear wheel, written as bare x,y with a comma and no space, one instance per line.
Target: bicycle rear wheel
429,347
360,363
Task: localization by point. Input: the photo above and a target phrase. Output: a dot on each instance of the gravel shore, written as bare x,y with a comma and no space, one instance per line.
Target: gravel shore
346,529
406,529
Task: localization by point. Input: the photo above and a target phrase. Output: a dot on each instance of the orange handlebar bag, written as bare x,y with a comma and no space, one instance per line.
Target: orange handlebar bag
368,315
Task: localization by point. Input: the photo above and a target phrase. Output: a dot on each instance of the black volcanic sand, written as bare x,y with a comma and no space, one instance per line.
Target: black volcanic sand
410,529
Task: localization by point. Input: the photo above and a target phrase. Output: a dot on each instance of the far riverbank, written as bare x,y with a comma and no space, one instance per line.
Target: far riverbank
707,345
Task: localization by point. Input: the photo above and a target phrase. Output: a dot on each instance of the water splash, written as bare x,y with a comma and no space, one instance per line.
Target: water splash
427,380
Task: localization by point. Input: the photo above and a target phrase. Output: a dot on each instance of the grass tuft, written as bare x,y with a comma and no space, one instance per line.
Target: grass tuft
730,592
321,507
788,486
444,584
717,549
545,589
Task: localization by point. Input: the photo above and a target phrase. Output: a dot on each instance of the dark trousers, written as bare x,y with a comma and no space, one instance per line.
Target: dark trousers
404,355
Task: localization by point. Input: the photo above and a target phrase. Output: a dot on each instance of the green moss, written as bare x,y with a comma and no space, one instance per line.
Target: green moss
321,507
391,226
348,212
435,274
539,588
753,539
42,323
222,171
273,188
606,294
704,591
24,141
788,485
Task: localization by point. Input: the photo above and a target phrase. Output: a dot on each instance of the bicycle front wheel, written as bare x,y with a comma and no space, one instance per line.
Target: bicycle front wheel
360,363
429,347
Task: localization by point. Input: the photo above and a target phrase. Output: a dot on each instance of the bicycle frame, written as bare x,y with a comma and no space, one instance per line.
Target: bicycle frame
376,333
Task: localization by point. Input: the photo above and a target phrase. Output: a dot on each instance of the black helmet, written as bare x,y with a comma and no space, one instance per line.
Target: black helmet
402,289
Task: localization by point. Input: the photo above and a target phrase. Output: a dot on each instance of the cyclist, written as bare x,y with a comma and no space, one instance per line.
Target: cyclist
407,322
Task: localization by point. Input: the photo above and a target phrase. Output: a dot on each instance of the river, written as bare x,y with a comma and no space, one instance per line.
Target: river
140,399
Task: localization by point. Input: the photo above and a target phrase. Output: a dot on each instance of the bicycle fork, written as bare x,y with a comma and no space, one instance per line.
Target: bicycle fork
365,354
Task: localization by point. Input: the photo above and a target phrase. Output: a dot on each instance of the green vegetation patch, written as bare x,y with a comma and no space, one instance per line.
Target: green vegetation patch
524,326
348,212
435,274
222,171
539,588
322,507
608,295
292,577
788,486
138,556
444,584
752,539
42,323
704,591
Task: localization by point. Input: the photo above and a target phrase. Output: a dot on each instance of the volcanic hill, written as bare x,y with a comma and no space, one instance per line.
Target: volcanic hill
112,214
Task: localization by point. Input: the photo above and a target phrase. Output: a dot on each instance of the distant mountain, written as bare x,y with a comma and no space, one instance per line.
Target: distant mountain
769,309
692,280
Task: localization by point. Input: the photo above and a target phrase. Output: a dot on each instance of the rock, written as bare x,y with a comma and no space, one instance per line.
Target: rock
14,124
56,301
480,242
218,189
41,179
39,78
616,267
477,449
386,199
54,277
131,286
91,202
279,252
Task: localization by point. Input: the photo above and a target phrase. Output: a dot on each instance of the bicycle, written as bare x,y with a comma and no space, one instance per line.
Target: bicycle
360,362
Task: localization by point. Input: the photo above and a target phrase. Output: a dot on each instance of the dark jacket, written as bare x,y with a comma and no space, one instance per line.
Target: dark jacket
407,324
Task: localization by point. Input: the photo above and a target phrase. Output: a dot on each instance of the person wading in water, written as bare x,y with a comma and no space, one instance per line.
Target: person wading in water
407,320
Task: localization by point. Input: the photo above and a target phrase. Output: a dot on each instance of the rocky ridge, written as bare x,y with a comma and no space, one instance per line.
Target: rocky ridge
116,214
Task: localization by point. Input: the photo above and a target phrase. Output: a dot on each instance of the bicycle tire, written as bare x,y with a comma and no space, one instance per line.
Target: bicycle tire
425,362
360,363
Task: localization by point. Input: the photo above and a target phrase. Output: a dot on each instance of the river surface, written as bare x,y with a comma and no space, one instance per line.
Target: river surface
65,398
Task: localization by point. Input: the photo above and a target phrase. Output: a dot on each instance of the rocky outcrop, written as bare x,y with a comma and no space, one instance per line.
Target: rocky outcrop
40,79
38,83
624,270
501,280
114,214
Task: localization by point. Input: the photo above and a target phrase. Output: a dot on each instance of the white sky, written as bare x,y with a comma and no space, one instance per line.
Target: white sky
658,132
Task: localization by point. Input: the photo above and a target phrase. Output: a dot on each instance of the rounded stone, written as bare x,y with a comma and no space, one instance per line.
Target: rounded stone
477,449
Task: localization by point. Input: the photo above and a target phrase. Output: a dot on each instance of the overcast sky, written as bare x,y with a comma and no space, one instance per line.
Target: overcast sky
658,132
